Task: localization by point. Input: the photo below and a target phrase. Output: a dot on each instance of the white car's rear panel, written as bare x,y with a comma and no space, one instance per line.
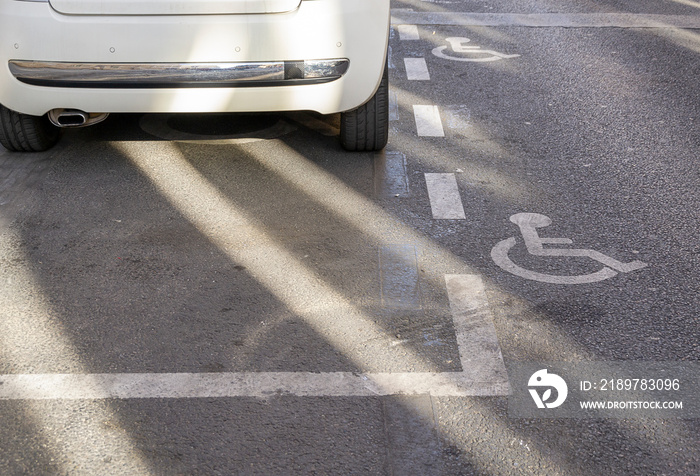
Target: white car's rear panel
172,7
35,32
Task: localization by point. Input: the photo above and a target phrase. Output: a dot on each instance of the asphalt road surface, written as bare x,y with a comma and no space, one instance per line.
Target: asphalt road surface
237,295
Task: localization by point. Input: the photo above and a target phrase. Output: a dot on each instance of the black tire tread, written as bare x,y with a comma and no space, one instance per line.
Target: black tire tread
366,128
24,133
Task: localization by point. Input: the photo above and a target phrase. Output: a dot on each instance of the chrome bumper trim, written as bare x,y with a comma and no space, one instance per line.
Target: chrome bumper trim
177,75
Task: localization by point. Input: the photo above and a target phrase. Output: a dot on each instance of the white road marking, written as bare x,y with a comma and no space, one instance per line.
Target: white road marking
499,254
464,51
445,200
528,224
416,69
428,122
245,384
408,32
483,372
476,334
544,20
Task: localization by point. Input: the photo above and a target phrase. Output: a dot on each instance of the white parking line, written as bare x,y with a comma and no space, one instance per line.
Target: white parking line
428,122
400,17
445,200
483,372
246,384
408,32
416,69
477,341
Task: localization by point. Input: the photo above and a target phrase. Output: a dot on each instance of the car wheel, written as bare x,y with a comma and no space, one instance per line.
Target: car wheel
24,133
367,127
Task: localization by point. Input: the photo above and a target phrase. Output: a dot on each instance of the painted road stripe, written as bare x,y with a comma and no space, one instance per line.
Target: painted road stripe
408,32
400,18
445,200
428,122
245,384
483,372
477,341
416,69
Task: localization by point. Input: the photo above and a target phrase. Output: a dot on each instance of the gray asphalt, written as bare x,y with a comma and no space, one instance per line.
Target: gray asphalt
211,244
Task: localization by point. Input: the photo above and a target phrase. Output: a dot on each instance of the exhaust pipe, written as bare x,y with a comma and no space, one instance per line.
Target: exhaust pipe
74,118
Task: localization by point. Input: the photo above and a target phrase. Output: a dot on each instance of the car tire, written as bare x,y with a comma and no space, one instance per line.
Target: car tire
24,133
367,127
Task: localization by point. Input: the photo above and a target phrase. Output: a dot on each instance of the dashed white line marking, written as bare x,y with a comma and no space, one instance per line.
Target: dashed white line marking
408,32
445,200
416,69
428,122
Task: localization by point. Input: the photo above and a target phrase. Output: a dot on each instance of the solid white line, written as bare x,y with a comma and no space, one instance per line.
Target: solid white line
483,372
428,122
416,69
476,334
408,32
544,20
245,384
445,200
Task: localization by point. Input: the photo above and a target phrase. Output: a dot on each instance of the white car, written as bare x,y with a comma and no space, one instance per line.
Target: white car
69,63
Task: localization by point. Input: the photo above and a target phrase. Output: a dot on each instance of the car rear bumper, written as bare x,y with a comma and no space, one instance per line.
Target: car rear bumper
177,75
327,56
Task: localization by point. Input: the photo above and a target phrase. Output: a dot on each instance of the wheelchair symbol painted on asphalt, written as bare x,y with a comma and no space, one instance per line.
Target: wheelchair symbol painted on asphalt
528,223
471,53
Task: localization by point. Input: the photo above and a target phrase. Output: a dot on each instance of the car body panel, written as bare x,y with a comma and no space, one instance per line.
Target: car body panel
172,7
318,29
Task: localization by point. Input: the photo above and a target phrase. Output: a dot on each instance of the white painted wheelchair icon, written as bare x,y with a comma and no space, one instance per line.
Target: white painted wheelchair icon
528,223
470,53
